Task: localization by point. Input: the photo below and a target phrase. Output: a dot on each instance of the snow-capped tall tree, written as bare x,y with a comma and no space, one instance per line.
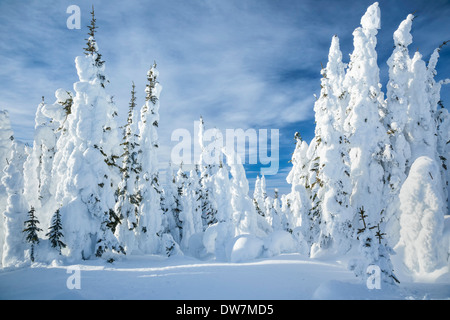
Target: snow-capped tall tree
208,168
194,190
365,131
245,217
299,197
6,143
218,235
129,199
276,219
442,120
150,222
14,216
368,146
38,167
87,172
443,131
186,215
395,120
31,231
258,197
331,183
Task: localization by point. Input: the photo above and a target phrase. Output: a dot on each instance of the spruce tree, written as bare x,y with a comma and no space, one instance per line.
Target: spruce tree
330,181
395,121
16,207
299,197
258,200
38,186
207,172
31,230
87,171
91,46
150,226
6,144
129,198
55,232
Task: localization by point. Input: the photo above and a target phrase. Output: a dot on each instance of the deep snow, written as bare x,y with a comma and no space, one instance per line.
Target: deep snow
285,277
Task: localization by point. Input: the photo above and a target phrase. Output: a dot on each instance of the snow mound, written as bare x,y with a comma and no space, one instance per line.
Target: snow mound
422,218
246,247
279,242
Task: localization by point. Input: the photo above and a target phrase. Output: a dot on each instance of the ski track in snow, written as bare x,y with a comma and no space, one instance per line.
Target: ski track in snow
286,277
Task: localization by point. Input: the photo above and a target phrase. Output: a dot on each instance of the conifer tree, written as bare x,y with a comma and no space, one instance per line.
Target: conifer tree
38,188
299,197
87,172
129,198
217,236
16,207
92,49
6,143
150,212
195,195
207,172
55,232
373,250
31,230
363,125
258,200
330,181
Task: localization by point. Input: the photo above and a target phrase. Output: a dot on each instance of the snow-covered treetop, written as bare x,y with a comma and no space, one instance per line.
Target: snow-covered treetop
335,70
153,89
371,20
402,36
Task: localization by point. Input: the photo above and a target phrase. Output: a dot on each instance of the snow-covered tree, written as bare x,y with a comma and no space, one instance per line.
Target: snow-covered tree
245,217
369,144
442,120
422,206
187,206
86,170
258,197
170,206
6,143
299,197
194,190
38,167
129,199
330,172
31,231
365,131
276,219
218,235
55,232
208,168
395,120
14,216
150,212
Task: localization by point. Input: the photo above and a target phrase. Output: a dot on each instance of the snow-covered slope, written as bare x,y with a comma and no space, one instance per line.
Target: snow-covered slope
286,277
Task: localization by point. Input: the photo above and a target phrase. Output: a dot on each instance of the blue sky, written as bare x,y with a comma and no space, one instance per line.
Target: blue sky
238,63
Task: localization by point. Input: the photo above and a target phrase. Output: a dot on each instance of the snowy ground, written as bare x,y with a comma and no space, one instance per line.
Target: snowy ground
285,277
